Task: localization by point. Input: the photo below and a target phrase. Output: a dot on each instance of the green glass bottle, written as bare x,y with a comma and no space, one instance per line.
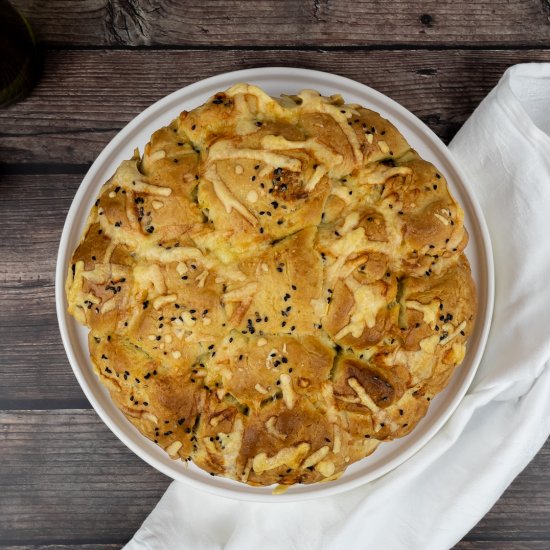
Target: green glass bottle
20,59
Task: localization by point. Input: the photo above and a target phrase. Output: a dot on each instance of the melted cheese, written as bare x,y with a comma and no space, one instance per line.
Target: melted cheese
175,254
380,173
442,219
109,305
161,301
331,410
342,192
337,443
289,456
323,153
325,468
272,429
147,276
231,447
320,171
265,102
239,294
364,398
103,272
383,146
260,389
368,302
201,279
130,178
173,448
289,397
252,197
429,344
157,155
280,489
312,101
350,223
316,457
150,417
222,150
451,335
429,311
182,268
227,198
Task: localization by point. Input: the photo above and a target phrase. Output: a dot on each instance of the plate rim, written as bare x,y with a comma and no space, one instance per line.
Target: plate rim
244,75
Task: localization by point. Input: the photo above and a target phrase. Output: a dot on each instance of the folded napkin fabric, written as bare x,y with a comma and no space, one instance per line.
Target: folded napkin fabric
433,499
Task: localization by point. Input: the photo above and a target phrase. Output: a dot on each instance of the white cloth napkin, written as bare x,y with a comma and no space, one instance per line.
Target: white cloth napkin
432,500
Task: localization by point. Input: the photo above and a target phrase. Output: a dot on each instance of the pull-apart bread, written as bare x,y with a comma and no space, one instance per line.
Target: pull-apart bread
275,287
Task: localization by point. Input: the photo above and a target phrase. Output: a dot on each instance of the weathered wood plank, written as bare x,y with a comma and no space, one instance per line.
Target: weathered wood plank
69,546
33,365
63,474
65,477
86,97
289,23
502,545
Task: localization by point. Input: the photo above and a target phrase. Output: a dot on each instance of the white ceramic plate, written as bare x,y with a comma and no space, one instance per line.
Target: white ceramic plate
276,80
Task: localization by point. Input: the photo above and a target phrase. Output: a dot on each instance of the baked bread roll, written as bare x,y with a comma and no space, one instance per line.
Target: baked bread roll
275,287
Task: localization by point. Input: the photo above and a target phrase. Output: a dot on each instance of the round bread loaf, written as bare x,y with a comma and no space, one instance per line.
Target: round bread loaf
275,287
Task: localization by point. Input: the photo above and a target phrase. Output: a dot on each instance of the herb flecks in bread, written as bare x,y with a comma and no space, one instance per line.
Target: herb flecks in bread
275,287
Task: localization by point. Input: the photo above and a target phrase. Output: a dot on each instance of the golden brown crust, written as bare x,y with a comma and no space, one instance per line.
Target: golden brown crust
275,287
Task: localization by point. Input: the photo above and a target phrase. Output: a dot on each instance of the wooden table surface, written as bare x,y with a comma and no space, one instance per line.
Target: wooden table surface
65,480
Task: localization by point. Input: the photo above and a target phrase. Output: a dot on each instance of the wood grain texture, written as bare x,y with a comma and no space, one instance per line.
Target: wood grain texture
86,97
257,23
69,546
63,472
65,477
33,364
